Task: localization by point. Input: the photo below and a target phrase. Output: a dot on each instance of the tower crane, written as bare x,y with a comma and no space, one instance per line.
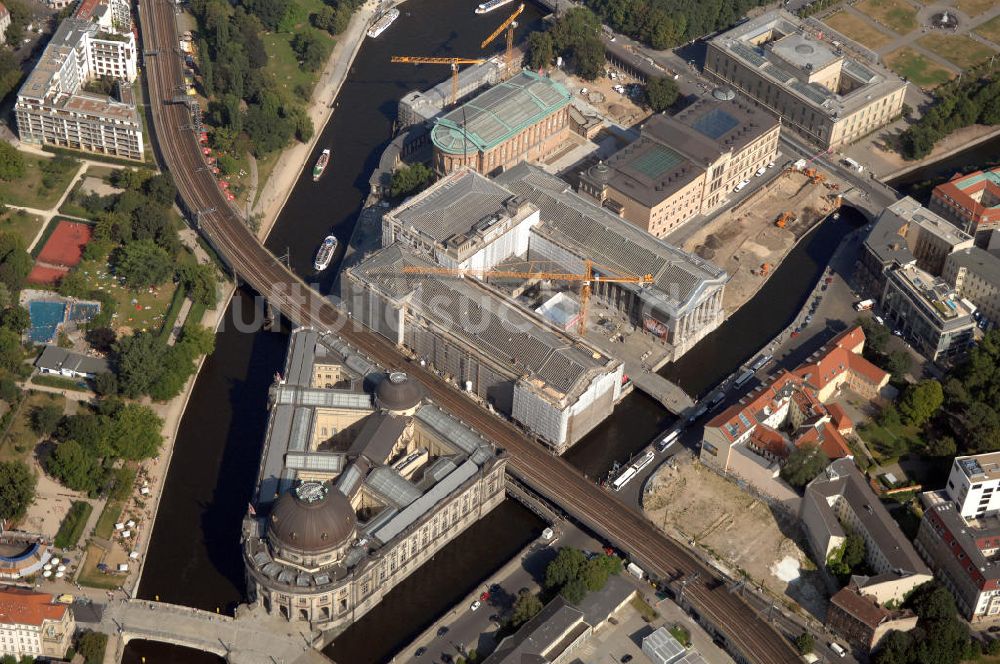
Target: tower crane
509,26
454,62
587,278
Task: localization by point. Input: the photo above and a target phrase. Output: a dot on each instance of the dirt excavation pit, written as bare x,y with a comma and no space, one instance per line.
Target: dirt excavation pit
692,503
746,240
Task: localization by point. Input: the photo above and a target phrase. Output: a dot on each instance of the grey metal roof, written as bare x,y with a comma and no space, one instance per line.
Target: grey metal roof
322,398
843,479
453,207
661,647
298,367
350,480
392,486
453,431
322,461
301,429
380,433
412,512
681,279
486,321
55,358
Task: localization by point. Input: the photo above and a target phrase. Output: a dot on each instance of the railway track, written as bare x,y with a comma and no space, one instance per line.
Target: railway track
753,638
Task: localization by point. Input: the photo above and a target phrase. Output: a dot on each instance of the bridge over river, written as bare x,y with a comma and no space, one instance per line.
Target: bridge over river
250,638
748,636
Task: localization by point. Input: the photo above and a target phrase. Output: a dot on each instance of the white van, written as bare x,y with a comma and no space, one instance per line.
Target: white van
853,164
839,649
741,185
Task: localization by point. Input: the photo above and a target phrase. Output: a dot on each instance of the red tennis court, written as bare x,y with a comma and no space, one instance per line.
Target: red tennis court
65,246
44,275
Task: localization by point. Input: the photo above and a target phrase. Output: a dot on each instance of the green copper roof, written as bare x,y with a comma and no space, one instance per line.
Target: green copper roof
499,113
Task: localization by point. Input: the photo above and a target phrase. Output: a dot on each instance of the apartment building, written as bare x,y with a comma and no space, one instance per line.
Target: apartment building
684,165
32,624
959,536
840,501
54,108
806,79
971,202
975,274
791,410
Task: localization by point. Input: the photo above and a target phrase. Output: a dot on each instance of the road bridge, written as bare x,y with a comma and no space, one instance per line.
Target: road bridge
750,638
251,638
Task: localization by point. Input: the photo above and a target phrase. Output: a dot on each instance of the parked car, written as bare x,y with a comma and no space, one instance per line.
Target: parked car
442,631
741,185
420,652
760,171
476,605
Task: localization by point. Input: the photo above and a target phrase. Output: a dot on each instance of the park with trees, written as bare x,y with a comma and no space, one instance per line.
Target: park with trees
957,105
667,23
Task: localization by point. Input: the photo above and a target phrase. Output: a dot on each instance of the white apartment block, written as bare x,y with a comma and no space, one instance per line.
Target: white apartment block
52,107
973,485
32,624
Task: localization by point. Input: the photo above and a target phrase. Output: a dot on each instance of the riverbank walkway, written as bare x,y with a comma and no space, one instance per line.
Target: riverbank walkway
250,638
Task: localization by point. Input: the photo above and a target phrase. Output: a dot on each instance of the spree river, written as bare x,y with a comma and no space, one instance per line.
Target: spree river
194,557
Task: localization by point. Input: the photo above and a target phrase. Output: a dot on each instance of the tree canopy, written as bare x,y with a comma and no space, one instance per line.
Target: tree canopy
12,165
661,93
576,36
75,467
668,23
15,262
573,574
17,489
408,180
976,101
526,606
804,464
940,636
143,264
921,401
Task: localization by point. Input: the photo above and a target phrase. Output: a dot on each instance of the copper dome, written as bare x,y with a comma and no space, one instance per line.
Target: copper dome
397,391
312,518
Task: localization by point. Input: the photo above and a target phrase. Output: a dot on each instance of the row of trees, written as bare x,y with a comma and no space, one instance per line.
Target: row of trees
940,636
668,23
974,102
91,443
144,365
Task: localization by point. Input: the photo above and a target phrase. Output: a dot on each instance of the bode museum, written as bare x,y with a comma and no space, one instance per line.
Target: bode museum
362,480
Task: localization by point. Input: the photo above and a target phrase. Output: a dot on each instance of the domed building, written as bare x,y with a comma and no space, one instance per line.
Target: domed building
359,485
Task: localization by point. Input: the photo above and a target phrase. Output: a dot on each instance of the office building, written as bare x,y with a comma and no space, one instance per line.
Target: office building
906,233
557,386
840,501
32,624
971,202
524,118
356,489
975,274
790,411
684,165
959,536
680,307
928,313
53,106
820,92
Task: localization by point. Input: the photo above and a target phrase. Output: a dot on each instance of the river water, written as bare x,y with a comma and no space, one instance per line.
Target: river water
194,558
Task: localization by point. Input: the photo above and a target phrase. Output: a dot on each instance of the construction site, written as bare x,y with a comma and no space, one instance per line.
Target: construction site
739,532
751,239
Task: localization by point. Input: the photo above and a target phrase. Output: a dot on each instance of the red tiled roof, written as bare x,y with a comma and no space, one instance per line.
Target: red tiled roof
839,417
767,439
962,194
19,606
834,445
840,355
860,607
867,370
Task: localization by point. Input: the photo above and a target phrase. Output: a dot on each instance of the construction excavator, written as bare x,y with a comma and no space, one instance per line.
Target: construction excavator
588,278
784,219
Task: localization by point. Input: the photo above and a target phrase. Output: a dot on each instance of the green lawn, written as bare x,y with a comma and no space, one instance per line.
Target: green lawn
103,172
897,15
105,526
137,310
93,577
61,382
960,50
917,69
31,190
72,526
886,444
21,223
858,29
974,7
20,440
990,30
681,634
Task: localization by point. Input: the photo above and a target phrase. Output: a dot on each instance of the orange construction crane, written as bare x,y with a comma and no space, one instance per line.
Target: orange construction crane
454,62
588,278
509,26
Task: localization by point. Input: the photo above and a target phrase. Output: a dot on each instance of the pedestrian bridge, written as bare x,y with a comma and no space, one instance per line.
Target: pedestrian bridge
251,638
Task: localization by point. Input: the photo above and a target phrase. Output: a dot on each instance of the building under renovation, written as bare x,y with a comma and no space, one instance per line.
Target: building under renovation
362,480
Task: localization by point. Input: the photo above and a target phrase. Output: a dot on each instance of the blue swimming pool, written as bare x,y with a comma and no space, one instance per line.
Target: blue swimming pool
45,319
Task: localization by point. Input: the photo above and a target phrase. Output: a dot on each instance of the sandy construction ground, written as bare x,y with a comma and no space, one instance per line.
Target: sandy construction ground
691,502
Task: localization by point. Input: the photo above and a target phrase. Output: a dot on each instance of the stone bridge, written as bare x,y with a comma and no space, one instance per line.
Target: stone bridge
251,638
